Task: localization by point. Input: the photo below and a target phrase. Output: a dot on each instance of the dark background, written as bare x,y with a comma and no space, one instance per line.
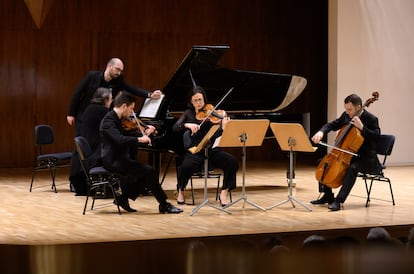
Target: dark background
40,67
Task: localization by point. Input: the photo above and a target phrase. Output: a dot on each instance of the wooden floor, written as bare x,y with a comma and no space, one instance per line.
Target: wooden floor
44,218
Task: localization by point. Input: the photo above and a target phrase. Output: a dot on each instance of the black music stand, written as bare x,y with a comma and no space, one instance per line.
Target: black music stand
244,133
291,137
205,144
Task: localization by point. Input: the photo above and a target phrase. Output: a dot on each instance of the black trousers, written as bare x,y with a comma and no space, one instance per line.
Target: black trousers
351,175
136,177
217,158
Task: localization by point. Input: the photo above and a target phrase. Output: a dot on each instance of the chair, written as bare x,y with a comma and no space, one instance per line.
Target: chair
44,136
385,145
212,174
98,178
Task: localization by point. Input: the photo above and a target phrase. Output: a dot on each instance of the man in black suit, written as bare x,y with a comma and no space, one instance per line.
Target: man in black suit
367,159
116,156
110,78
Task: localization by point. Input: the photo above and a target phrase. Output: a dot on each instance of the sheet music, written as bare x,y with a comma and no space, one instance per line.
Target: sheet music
216,142
150,107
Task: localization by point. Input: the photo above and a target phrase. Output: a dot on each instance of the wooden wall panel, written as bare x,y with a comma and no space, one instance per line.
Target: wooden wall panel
40,67
18,78
63,59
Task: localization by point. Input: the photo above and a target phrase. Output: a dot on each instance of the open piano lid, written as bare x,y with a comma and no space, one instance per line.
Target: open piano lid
253,91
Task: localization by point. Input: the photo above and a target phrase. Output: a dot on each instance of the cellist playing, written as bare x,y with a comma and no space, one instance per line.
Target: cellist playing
367,159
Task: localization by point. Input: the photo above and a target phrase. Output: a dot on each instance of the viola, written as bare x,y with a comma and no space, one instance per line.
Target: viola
331,170
208,112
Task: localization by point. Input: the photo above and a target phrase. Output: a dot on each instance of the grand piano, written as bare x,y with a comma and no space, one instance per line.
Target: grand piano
255,95
276,90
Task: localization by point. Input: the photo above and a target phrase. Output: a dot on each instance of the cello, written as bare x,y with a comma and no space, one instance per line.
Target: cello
331,170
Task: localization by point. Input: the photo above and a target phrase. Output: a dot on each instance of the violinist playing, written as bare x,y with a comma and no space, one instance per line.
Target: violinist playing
367,159
198,111
116,157
136,127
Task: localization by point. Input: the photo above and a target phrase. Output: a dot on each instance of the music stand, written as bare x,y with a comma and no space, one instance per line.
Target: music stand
291,137
244,133
205,143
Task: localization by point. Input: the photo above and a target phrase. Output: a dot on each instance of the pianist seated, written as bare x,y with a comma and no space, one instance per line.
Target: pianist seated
189,124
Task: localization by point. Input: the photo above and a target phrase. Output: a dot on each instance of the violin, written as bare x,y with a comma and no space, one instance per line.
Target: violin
209,112
331,170
129,124
133,124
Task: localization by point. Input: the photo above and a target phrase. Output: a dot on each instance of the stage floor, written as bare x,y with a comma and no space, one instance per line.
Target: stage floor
43,217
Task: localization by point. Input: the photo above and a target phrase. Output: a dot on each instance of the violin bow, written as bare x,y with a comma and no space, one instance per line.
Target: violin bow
337,148
217,105
139,126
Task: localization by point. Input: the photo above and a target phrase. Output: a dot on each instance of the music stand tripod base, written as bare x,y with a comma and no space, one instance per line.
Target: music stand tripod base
208,203
290,197
205,144
244,133
291,137
244,195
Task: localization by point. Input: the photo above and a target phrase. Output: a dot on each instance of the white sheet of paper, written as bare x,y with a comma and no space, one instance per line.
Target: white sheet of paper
150,107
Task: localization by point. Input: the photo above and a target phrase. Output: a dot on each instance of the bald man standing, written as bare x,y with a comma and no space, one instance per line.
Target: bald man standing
110,78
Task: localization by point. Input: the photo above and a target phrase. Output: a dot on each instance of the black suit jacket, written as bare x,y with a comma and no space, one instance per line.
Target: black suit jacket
115,150
92,118
371,131
88,85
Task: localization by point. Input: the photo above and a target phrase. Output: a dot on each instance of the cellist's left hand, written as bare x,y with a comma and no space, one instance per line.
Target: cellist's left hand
356,122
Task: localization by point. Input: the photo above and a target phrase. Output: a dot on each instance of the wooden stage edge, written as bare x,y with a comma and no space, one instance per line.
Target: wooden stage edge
45,232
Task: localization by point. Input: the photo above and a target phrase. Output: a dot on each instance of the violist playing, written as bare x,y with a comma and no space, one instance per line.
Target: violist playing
217,158
367,124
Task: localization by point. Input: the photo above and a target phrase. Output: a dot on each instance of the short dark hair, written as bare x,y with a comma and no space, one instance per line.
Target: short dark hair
354,99
124,97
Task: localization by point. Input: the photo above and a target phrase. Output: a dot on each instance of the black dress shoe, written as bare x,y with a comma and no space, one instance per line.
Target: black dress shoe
169,208
181,202
123,202
335,205
323,200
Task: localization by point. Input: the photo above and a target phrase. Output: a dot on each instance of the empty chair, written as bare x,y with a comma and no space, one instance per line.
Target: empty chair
51,161
98,178
385,145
